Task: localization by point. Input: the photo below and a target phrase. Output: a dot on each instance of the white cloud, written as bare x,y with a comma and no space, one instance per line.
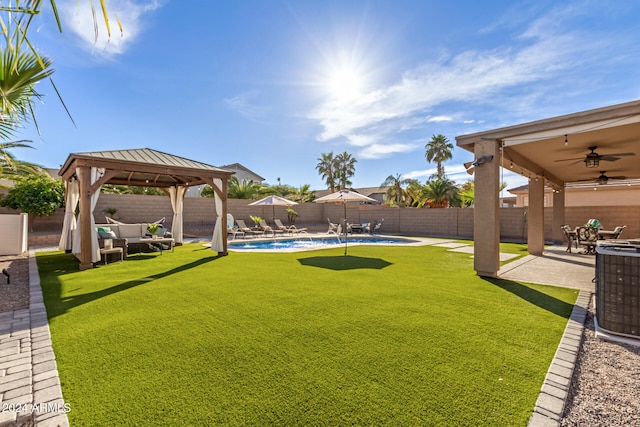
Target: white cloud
242,104
439,119
543,51
79,17
376,151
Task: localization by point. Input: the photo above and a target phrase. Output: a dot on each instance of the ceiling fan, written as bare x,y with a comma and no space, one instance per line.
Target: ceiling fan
592,159
602,179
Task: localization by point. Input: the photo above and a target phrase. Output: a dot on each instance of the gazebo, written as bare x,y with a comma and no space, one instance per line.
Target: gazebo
584,146
85,173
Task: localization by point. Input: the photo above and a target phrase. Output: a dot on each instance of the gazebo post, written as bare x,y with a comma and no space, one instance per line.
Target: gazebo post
84,227
224,219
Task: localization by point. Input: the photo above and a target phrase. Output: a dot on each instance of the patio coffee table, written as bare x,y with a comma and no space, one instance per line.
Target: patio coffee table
159,242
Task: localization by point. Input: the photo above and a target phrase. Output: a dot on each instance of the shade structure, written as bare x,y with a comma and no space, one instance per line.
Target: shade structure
273,201
344,197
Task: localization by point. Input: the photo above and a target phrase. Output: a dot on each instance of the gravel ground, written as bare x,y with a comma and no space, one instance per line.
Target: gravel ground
14,296
605,389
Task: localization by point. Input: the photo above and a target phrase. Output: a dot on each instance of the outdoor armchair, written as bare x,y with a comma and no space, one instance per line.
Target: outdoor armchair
588,238
570,235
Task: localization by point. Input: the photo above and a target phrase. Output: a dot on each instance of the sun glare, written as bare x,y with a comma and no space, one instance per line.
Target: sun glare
345,83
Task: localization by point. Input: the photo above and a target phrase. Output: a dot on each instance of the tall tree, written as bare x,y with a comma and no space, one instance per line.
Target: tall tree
438,150
396,194
345,169
326,168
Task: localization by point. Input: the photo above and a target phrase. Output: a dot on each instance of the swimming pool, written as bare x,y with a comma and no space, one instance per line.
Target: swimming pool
310,243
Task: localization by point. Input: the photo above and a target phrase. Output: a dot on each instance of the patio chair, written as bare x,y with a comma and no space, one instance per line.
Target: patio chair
618,231
587,237
571,237
243,227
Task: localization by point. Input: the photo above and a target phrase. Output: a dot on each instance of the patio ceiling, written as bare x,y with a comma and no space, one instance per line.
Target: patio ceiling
538,149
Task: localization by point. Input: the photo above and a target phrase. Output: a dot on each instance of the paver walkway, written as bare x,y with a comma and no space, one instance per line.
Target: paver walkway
29,384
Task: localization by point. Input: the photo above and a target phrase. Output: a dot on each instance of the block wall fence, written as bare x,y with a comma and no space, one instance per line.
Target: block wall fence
451,222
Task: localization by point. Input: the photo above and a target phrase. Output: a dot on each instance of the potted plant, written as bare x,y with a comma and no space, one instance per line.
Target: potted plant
113,213
153,229
256,220
291,216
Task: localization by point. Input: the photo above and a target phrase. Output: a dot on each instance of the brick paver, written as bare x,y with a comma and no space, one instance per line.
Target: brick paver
29,383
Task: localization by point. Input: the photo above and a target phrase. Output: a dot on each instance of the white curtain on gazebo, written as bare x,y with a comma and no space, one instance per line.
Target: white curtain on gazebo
177,202
69,224
216,239
96,174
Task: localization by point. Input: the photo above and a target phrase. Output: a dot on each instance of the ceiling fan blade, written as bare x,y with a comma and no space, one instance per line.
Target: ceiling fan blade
617,177
566,160
618,155
609,158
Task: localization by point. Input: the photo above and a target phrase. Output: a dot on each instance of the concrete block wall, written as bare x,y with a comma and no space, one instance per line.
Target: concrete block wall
453,222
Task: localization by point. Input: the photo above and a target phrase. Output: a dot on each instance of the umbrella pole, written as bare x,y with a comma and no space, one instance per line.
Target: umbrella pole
346,231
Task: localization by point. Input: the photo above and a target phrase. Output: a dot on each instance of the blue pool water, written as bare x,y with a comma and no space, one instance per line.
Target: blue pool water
313,243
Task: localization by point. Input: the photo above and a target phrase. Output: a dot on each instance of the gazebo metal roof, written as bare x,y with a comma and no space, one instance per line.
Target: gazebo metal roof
144,167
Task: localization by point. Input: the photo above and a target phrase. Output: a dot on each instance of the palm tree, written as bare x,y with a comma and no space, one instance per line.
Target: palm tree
244,189
326,168
467,193
13,169
304,194
441,193
345,169
415,194
438,150
396,195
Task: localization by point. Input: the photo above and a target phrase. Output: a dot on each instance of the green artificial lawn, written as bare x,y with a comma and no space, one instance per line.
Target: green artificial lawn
383,336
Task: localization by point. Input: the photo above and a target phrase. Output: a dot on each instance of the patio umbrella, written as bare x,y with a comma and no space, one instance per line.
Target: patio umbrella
344,197
273,201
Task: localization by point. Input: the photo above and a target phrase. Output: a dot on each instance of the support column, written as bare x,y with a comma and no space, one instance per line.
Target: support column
558,216
225,210
84,227
535,232
486,212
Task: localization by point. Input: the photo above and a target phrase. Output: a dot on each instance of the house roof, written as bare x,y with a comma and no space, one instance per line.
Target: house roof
238,166
144,167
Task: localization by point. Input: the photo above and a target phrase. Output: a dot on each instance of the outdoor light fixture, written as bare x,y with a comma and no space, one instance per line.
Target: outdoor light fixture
592,160
477,162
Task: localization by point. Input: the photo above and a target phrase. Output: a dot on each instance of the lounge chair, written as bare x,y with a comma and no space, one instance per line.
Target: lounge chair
374,227
234,231
337,231
333,227
266,228
291,229
243,227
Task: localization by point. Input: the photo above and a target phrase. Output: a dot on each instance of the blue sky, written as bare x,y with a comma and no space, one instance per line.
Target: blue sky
274,84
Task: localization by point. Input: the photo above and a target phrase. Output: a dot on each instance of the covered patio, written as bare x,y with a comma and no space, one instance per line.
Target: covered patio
85,173
588,146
